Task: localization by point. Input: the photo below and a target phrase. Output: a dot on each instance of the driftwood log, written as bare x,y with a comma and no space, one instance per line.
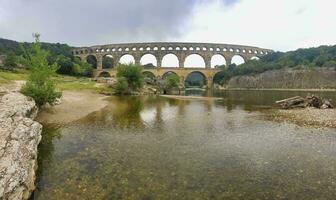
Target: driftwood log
309,101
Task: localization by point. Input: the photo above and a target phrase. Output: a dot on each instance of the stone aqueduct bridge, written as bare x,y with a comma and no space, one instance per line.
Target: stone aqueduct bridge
159,50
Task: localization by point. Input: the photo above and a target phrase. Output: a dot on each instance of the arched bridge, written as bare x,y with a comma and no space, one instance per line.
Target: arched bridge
179,53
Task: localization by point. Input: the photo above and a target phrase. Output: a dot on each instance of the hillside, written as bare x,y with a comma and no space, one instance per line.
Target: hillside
11,46
320,78
312,58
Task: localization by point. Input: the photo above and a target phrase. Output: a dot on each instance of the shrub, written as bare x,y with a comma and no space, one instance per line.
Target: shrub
172,81
40,85
133,75
10,62
65,65
121,86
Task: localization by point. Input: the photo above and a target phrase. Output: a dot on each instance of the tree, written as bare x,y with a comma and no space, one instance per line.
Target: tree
107,62
40,85
121,87
172,81
133,75
10,61
65,65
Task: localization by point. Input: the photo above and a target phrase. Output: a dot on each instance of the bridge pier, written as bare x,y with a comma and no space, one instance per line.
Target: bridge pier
99,62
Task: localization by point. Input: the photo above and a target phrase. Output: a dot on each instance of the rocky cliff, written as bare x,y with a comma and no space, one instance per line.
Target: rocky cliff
19,138
287,79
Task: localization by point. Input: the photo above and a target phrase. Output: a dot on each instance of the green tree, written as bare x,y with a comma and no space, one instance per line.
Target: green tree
133,75
10,61
121,87
65,65
40,85
172,81
107,62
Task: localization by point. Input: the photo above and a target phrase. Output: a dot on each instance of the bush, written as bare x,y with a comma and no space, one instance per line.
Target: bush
40,85
133,75
65,65
121,87
172,81
42,94
10,62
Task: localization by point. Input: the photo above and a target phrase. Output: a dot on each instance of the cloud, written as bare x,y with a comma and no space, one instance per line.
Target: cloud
280,25
84,22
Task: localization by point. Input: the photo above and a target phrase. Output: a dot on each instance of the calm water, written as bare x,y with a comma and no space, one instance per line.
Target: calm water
158,148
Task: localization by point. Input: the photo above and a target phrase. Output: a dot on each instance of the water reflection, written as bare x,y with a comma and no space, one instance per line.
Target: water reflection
159,148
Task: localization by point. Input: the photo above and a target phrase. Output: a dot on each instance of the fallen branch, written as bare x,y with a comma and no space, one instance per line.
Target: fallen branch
309,101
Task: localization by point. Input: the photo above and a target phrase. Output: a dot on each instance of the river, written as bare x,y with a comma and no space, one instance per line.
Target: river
161,148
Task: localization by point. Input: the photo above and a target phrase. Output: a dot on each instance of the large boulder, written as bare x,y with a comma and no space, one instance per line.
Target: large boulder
19,138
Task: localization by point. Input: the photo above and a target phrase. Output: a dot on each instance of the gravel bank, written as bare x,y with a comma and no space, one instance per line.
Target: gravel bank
306,117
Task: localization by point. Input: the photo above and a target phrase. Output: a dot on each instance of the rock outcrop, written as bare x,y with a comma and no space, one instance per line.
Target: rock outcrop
19,138
287,79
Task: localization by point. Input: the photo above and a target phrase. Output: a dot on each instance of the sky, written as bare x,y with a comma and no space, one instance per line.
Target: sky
281,25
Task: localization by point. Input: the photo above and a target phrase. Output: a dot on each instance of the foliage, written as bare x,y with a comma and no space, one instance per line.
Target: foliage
324,56
121,86
133,75
74,67
65,65
40,85
10,62
7,46
107,62
172,81
58,53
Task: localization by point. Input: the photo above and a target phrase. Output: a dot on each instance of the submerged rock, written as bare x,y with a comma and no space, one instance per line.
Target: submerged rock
19,138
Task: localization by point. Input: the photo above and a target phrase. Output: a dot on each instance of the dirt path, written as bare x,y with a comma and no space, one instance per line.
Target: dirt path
74,105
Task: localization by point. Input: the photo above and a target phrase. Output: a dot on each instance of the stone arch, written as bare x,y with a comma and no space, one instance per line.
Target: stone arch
127,59
238,60
255,58
218,77
196,79
170,60
166,74
104,75
217,60
108,61
148,60
78,58
194,61
149,74
92,60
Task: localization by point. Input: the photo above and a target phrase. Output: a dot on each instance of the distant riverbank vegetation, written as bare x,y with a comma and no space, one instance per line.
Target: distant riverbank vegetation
312,58
59,54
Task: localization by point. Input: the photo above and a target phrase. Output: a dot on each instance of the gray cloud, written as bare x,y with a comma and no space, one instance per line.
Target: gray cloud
84,22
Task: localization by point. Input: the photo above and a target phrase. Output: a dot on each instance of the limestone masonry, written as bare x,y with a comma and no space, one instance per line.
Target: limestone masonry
19,138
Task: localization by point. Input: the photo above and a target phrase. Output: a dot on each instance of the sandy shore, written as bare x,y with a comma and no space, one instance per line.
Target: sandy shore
74,105
305,117
190,97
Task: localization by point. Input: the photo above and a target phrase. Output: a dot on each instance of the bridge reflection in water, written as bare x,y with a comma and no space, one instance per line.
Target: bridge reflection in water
179,54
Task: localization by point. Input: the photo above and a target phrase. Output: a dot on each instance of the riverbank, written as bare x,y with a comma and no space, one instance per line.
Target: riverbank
319,78
20,136
320,118
74,105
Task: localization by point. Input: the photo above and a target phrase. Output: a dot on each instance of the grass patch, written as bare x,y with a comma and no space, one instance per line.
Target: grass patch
78,83
63,82
10,76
